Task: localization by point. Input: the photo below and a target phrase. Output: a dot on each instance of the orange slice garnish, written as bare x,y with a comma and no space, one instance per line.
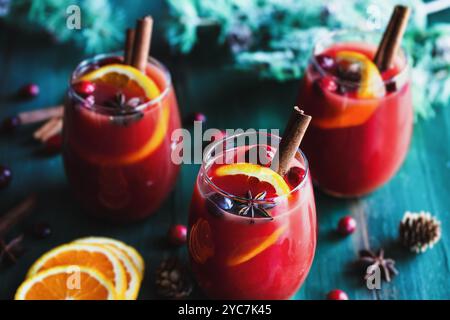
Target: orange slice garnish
67,283
124,76
93,256
201,246
244,253
371,84
254,170
357,111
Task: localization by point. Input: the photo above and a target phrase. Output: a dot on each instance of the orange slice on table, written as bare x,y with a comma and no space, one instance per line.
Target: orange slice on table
370,89
123,76
129,251
254,170
251,249
67,283
93,256
129,258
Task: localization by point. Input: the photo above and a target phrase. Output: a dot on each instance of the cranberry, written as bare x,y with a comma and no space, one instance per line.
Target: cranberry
29,91
295,176
178,234
325,62
328,83
10,124
391,86
337,294
346,225
259,155
349,72
53,145
41,230
198,116
84,88
5,176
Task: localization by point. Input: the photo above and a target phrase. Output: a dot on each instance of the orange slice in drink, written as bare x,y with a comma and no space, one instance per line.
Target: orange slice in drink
127,77
201,245
371,88
67,283
124,77
254,170
93,256
251,249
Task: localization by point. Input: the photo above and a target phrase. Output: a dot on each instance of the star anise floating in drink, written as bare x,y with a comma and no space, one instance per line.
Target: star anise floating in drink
371,261
255,206
121,103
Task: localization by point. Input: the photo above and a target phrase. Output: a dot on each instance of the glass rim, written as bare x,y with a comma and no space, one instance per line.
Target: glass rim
227,194
334,33
98,108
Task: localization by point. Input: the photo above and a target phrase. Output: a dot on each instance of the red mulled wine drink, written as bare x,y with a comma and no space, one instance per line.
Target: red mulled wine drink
252,232
362,118
117,127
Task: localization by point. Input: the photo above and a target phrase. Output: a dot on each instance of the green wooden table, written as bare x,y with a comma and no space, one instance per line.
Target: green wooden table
229,100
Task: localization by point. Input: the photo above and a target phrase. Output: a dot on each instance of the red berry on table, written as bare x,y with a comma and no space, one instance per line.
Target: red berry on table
198,116
84,88
295,176
346,225
30,90
10,124
5,176
337,294
178,234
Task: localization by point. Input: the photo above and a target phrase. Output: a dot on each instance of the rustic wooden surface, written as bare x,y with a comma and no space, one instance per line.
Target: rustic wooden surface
229,100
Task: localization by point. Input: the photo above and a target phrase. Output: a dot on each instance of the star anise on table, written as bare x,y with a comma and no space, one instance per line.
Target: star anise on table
121,103
255,206
371,261
10,251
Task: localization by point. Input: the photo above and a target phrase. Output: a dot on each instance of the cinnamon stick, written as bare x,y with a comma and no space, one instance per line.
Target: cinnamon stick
142,39
39,115
290,142
16,214
392,38
50,128
129,43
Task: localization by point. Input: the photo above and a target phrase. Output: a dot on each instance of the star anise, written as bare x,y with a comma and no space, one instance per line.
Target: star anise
10,251
256,206
121,103
371,261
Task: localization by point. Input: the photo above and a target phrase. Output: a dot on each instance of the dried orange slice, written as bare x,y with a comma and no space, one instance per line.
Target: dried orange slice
201,245
85,255
123,77
254,170
129,251
67,283
245,253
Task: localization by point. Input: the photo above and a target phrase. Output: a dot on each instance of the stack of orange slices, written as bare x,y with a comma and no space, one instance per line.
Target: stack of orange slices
92,268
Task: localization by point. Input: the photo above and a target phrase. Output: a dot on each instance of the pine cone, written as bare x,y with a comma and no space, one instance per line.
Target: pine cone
419,231
172,280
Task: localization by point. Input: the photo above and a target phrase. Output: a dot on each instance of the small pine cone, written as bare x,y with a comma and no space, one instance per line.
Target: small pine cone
419,231
172,280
